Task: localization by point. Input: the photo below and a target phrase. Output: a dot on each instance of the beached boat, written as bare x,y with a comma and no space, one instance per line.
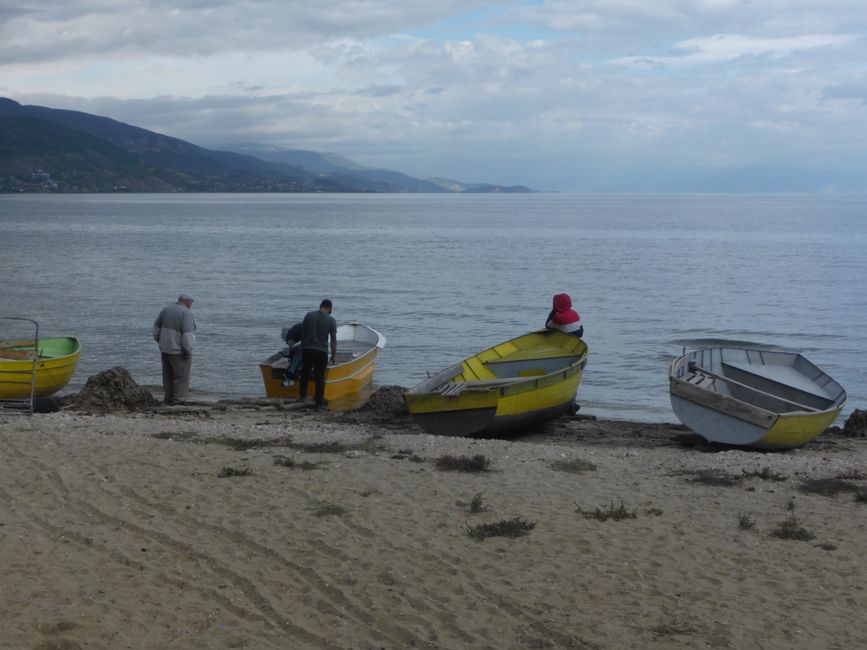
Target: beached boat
357,347
41,365
758,398
516,384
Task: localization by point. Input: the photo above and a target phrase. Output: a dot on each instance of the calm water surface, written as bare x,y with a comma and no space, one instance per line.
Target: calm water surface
445,276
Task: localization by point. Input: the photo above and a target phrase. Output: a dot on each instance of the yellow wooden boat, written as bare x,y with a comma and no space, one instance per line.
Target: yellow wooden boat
513,385
357,348
769,399
43,365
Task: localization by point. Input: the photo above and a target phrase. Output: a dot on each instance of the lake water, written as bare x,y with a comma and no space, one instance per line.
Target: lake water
444,276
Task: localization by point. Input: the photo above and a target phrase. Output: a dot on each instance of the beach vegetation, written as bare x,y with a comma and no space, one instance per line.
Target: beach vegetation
174,435
852,475
407,454
477,503
369,492
828,487
791,528
711,477
615,512
245,444
745,521
766,474
234,471
861,496
289,461
514,527
327,510
449,463
573,466
826,546
670,630
656,512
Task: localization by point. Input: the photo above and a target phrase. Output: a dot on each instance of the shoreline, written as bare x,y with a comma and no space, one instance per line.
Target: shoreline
125,530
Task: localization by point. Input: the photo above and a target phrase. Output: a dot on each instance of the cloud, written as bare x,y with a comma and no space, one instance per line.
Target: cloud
727,47
522,92
59,29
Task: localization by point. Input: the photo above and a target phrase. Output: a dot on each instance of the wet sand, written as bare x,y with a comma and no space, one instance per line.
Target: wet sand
146,531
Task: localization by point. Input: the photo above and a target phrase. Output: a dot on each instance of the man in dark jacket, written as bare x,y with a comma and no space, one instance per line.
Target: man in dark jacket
318,327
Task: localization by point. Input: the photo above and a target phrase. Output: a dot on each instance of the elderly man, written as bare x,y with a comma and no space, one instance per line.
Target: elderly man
175,331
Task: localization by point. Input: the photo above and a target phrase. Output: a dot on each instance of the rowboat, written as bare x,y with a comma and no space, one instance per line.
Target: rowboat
513,385
357,347
40,365
769,399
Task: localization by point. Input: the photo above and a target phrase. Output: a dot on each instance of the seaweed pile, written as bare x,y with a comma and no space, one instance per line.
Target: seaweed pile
109,391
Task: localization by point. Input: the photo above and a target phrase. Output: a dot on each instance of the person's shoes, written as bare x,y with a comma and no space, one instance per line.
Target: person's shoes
287,381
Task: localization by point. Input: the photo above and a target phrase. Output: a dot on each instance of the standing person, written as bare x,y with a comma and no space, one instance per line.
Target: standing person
318,326
563,317
175,331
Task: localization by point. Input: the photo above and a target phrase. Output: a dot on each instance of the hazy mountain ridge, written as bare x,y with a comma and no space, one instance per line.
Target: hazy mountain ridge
54,150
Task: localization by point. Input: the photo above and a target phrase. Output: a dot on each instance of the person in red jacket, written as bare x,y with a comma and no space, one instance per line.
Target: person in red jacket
563,317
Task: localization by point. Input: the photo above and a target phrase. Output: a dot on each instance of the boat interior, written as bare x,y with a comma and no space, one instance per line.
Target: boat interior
346,352
774,381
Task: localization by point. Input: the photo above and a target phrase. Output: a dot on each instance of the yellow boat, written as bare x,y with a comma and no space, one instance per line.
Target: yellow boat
357,347
513,385
40,365
770,399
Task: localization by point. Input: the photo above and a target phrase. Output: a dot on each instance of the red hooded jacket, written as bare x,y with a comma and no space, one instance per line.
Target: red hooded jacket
563,317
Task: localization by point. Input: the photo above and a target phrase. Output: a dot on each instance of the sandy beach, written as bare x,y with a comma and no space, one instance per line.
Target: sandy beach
267,528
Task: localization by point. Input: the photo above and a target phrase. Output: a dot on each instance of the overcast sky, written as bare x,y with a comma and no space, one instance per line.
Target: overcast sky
548,93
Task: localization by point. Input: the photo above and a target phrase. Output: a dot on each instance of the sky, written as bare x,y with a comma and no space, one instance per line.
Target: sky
554,94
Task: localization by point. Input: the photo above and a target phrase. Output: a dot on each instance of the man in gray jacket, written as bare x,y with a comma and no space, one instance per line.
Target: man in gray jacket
175,331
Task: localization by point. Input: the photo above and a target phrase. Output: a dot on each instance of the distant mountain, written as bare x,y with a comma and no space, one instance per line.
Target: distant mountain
53,150
379,180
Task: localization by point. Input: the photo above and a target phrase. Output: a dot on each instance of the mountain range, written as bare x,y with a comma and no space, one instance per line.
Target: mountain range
54,150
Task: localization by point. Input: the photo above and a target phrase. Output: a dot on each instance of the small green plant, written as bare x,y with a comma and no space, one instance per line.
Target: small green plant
234,471
656,512
573,466
617,513
515,527
370,492
477,504
745,521
790,504
284,461
861,496
852,475
765,474
791,528
477,463
826,546
327,510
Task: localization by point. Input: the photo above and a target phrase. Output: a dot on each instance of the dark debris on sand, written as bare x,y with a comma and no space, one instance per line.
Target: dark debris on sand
856,424
109,391
384,408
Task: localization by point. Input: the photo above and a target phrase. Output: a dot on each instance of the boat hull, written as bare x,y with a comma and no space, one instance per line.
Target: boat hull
767,399
479,397
55,366
357,349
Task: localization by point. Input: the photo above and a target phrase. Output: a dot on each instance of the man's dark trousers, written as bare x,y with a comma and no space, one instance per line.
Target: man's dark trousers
318,362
